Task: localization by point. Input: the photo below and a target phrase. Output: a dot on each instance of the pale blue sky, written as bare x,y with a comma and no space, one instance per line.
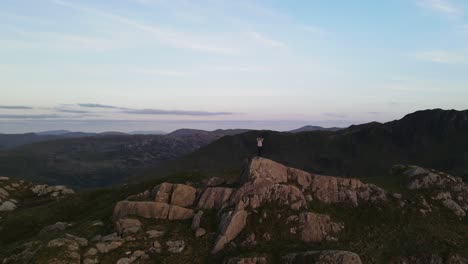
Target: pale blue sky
164,64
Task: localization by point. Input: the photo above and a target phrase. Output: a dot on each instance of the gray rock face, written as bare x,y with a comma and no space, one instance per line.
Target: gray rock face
175,194
183,195
7,206
214,197
105,247
318,227
322,257
450,191
214,181
128,226
176,246
53,191
155,210
69,249
232,223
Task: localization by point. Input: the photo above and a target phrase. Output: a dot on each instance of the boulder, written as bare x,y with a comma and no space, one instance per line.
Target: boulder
7,206
154,210
183,195
214,181
232,223
105,247
200,232
162,193
176,246
214,197
154,233
265,168
318,227
3,193
3,178
53,191
127,225
322,257
179,213
264,190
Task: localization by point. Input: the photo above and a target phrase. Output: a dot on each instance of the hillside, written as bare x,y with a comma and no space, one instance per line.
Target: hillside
100,160
268,214
433,138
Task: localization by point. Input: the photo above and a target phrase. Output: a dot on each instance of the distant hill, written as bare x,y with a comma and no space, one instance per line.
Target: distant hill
432,138
314,128
53,132
148,132
85,160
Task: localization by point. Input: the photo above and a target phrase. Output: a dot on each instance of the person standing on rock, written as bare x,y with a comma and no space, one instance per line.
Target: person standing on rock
259,146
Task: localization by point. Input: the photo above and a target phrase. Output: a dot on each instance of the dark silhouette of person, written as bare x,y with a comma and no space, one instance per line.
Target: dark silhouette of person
259,146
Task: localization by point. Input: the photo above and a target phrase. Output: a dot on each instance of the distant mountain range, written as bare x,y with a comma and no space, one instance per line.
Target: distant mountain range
15,140
314,128
432,138
94,160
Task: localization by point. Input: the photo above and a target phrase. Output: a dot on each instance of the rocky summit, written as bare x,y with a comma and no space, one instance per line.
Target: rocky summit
271,213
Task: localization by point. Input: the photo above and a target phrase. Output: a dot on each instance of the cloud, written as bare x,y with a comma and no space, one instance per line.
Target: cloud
73,111
264,40
441,6
440,56
30,116
90,105
15,107
155,111
169,37
173,112
65,41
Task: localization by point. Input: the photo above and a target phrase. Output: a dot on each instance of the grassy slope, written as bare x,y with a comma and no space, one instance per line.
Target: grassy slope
377,234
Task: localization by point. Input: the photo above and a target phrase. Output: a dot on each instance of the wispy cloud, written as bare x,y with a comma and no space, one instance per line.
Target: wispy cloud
440,56
170,37
91,105
30,116
72,111
262,39
17,107
155,111
444,7
174,112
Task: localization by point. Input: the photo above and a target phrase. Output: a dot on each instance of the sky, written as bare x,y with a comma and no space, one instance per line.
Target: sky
126,65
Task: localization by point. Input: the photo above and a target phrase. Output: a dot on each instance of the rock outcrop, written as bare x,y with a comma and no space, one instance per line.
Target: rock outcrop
53,191
318,227
232,223
436,188
154,210
214,197
263,182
